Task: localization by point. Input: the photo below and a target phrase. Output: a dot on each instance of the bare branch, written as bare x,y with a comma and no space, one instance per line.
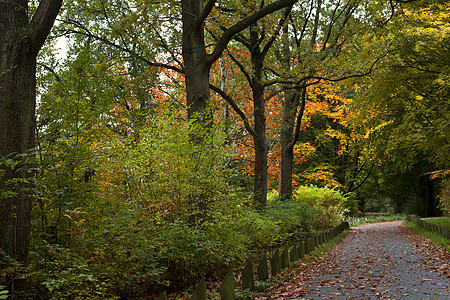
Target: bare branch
85,31
52,71
352,75
205,12
272,39
241,25
236,108
364,180
241,67
298,121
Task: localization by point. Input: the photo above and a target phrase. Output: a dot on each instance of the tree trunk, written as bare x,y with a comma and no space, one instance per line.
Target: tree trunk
260,140
196,65
289,111
17,94
430,205
20,42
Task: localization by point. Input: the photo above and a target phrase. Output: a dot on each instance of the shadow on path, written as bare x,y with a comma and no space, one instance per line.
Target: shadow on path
375,261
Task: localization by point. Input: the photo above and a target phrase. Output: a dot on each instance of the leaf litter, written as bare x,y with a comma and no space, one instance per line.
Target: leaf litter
375,261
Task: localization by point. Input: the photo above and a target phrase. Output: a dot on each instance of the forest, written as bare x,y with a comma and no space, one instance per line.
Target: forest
148,144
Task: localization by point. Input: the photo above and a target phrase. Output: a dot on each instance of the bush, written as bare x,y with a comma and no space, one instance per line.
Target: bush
294,218
329,203
118,256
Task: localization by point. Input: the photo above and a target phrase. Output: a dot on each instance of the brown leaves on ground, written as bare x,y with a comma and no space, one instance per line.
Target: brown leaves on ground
375,261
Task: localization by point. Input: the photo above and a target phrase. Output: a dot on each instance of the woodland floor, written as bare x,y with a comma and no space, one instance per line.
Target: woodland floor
375,261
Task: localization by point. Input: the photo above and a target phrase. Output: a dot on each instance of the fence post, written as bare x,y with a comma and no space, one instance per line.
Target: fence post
301,249
200,291
227,287
275,263
163,296
262,269
284,258
293,254
306,245
248,281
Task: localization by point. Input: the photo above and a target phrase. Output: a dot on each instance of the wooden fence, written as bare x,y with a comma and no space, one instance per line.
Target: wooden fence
441,230
279,259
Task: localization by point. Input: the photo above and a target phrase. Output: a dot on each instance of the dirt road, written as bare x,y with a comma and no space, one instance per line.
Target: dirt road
375,261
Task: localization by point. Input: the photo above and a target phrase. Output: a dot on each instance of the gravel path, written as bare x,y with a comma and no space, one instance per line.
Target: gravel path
375,261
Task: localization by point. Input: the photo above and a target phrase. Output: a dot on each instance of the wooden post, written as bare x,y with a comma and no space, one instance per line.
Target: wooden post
301,249
200,291
248,281
227,287
262,269
163,296
293,254
275,263
284,258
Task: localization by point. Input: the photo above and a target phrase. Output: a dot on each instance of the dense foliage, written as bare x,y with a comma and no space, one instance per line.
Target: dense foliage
134,193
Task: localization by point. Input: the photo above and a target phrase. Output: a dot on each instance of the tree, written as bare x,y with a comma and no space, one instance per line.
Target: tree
327,38
258,42
404,107
197,62
20,42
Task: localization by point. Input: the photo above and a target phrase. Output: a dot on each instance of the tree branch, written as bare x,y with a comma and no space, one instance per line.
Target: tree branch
277,30
241,25
352,75
42,23
233,104
52,71
242,68
298,121
89,34
205,12
364,180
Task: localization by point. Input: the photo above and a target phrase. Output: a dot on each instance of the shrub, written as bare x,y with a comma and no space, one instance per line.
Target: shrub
294,218
329,203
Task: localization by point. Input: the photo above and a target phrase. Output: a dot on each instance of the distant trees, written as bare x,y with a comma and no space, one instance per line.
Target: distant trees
404,107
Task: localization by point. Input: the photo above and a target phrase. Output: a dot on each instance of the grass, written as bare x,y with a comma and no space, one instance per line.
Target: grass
441,221
368,218
434,237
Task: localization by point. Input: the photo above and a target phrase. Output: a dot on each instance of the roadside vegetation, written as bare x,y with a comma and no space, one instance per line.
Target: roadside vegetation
432,236
148,144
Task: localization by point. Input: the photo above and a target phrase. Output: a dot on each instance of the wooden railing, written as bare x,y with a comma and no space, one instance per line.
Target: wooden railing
277,259
441,230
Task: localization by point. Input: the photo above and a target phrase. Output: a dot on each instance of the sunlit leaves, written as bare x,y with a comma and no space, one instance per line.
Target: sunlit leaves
409,97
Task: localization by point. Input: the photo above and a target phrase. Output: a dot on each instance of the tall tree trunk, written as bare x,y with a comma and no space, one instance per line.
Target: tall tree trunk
20,42
17,94
430,205
196,64
259,114
289,111
288,138
260,142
